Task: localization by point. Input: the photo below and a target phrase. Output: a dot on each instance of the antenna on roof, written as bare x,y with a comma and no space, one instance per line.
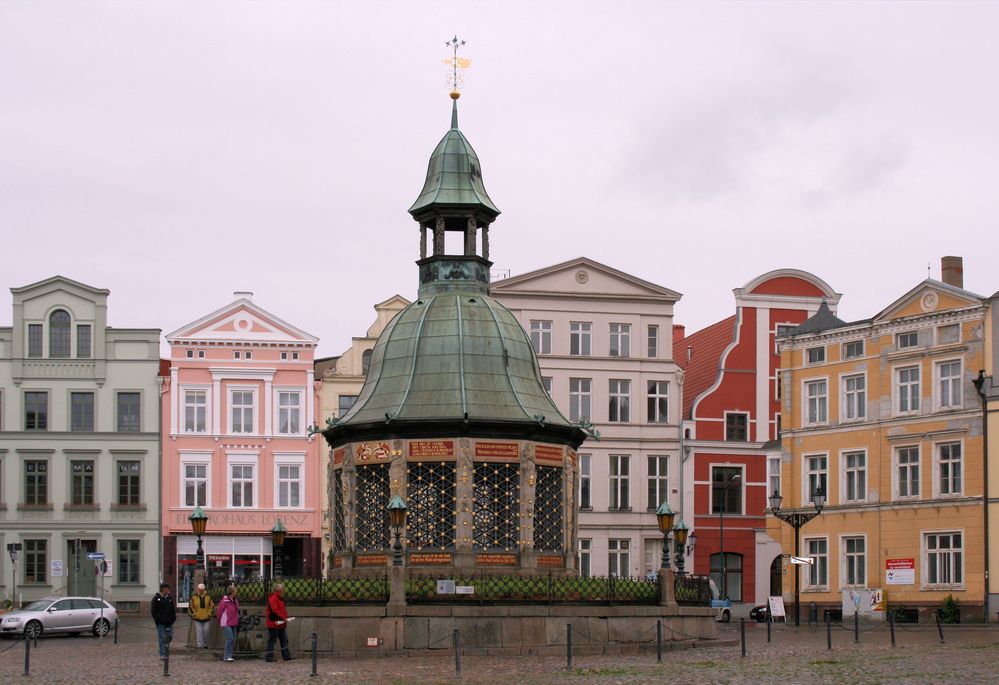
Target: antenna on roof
927,270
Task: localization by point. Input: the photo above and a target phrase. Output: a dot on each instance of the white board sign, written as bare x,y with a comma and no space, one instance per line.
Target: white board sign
777,607
55,568
445,587
464,590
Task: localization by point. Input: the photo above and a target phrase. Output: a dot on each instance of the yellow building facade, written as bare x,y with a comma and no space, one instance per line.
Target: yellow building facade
883,418
987,386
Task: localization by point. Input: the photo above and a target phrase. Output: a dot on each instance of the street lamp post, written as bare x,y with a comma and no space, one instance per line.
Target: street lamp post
199,521
680,531
277,539
733,479
664,517
14,549
796,519
397,519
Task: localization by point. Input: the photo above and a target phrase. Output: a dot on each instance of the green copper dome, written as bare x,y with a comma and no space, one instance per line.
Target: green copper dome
454,176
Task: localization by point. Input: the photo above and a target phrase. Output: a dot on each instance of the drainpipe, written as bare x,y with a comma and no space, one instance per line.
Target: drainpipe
979,383
160,382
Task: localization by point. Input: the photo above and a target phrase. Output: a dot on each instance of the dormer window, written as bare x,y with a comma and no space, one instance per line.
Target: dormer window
59,334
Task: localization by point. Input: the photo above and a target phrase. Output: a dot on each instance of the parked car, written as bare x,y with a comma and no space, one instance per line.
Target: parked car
760,614
73,615
723,606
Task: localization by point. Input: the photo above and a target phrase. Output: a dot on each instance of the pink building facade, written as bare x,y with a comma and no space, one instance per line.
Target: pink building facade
236,408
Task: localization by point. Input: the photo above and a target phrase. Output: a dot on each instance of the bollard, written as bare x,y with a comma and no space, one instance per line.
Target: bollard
856,627
742,631
166,659
568,646
939,627
457,653
27,653
659,640
769,625
315,654
828,633
116,631
891,626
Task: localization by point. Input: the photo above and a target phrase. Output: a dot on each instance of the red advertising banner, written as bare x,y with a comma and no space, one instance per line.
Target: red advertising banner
431,558
431,448
372,560
895,564
548,453
550,561
488,559
505,450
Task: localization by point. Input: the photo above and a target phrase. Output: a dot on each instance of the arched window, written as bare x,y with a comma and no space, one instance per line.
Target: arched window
365,361
59,334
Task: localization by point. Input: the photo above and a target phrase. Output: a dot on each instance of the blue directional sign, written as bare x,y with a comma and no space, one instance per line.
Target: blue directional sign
95,555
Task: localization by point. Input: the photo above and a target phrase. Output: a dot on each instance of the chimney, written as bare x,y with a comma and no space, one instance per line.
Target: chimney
952,271
241,294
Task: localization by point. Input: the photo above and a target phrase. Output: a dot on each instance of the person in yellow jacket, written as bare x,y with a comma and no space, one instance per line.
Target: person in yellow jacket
202,609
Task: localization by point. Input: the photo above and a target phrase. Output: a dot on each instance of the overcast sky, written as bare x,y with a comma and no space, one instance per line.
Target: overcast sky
175,152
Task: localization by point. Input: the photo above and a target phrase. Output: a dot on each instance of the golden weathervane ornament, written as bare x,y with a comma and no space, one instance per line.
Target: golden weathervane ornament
456,75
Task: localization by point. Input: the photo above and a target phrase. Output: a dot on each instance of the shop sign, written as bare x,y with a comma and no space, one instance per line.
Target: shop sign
900,571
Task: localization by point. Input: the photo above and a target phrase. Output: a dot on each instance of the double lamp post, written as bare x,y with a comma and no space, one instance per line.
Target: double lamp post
683,539
796,519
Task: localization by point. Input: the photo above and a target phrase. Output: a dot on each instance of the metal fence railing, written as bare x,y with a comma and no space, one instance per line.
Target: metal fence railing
692,590
533,590
320,591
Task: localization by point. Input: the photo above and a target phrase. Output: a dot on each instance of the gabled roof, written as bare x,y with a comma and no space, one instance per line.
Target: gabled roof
244,321
546,281
59,281
706,349
949,296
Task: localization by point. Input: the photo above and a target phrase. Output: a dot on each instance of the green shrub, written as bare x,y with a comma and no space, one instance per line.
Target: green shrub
949,611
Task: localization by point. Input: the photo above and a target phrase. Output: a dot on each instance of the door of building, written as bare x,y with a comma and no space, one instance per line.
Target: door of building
81,581
776,576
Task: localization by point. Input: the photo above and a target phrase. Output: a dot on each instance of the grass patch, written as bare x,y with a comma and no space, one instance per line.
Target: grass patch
825,662
707,664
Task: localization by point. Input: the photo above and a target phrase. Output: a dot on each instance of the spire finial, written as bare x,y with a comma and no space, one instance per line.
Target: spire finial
456,75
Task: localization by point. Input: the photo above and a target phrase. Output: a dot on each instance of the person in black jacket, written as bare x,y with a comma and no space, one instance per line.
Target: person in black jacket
164,615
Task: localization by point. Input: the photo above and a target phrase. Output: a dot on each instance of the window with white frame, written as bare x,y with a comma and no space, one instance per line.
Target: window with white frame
579,338
949,468
35,340
907,472
815,355
854,476
658,491
949,385
906,340
241,478
585,485
83,341
853,349
653,342
585,550
658,401
854,397
541,336
619,401
818,572
579,399
195,483
241,403
773,474
620,470
289,412
816,401
907,389
288,479
618,557
943,558
736,426
59,333
726,490
816,474
195,411
620,340
854,560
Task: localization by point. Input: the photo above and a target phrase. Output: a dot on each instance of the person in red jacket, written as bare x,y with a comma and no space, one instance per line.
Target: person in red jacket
277,624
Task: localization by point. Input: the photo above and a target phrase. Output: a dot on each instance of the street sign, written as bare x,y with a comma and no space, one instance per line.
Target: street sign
95,556
803,560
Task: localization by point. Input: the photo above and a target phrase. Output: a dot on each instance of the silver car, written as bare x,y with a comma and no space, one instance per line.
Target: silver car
72,615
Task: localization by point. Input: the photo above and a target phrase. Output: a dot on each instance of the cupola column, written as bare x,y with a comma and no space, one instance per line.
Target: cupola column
485,242
423,241
470,237
439,237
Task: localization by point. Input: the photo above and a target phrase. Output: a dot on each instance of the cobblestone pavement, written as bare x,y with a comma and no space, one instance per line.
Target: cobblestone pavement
970,655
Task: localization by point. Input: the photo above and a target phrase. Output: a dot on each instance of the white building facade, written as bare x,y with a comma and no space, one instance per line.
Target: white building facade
604,344
79,448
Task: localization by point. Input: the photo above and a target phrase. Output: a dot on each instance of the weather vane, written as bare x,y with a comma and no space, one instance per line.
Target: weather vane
456,74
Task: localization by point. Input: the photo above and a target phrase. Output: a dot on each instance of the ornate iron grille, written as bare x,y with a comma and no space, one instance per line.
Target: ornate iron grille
548,533
339,531
692,590
496,506
536,590
432,504
372,522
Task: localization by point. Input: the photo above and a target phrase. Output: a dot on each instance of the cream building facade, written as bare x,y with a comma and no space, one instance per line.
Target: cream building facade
604,343
79,447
